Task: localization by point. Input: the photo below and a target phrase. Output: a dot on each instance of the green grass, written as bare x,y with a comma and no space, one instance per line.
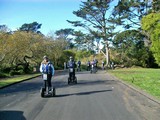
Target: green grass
8,81
146,79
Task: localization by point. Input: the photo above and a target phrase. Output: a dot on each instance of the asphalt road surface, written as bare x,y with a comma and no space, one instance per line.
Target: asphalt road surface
95,97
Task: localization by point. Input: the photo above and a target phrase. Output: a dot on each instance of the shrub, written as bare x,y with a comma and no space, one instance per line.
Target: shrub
2,75
12,73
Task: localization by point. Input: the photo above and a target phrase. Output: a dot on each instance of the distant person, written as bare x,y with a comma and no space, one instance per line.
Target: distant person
79,65
112,65
96,63
65,66
71,65
93,62
88,66
102,65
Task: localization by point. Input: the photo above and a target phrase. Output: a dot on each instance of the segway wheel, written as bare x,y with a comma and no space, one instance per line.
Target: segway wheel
53,92
68,81
42,92
75,80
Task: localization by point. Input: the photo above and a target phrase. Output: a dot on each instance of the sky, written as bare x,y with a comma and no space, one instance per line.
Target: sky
52,14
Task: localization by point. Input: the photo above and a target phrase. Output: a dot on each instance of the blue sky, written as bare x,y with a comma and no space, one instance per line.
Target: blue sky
52,14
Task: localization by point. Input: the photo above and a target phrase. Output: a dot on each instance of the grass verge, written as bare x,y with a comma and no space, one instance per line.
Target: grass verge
8,81
146,79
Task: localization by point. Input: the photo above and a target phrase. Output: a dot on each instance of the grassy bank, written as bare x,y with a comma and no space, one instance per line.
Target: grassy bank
8,81
146,79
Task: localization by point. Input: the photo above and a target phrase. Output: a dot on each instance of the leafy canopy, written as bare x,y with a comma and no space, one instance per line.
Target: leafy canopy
151,24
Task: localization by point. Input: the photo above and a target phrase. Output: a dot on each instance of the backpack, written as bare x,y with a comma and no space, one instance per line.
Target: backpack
47,69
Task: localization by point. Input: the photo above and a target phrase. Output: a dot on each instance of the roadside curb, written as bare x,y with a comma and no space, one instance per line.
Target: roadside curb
152,98
56,71
19,81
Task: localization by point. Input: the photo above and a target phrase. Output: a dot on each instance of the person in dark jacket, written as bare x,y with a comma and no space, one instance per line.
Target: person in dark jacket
71,64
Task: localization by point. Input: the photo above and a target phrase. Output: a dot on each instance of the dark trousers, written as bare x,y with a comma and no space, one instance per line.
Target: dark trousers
48,81
88,68
72,73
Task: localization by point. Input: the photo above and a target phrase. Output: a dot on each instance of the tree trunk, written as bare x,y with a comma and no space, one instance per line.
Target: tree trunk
107,55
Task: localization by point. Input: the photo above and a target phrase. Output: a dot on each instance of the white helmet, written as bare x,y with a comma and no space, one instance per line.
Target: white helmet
45,57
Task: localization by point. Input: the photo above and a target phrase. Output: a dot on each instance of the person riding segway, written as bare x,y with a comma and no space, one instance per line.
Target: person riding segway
93,67
47,71
71,66
79,65
88,66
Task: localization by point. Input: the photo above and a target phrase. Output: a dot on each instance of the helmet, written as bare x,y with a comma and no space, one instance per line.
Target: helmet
45,57
70,57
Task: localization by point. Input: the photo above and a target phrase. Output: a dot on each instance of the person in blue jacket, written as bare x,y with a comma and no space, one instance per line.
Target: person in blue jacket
48,69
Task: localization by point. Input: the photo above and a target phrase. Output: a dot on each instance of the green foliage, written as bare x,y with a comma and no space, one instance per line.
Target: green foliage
2,75
94,15
12,73
64,58
156,6
151,25
84,41
22,50
31,27
65,35
83,54
128,13
130,49
68,53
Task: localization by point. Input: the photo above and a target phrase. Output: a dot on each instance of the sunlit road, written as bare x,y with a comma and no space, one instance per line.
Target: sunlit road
95,97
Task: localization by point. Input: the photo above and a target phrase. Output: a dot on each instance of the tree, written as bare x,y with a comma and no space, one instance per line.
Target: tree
94,19
66,34
22,50
31,27
128,13
156,6
130,49
4,44
84,41
151,27
4,28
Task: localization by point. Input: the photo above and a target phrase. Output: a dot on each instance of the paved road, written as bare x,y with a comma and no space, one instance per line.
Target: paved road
95,97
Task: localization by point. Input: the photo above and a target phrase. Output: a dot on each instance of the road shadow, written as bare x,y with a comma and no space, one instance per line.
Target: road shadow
11,115
30,86
96,82
80,83
84,93
26,86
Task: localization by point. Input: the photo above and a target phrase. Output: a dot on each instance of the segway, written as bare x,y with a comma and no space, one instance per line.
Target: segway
72,78
78,68
46,91
93,69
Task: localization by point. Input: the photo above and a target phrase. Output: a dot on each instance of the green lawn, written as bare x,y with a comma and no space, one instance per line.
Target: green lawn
146,79
16,79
